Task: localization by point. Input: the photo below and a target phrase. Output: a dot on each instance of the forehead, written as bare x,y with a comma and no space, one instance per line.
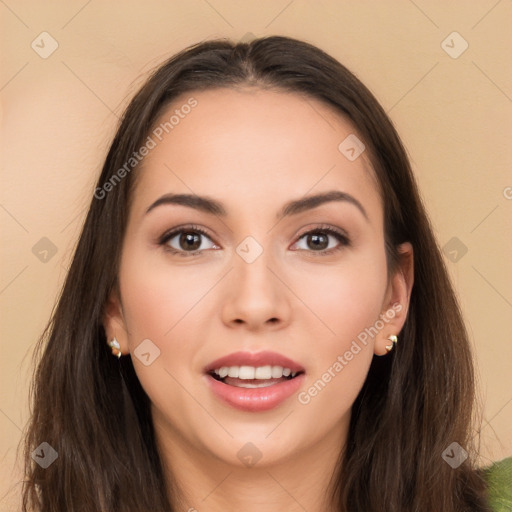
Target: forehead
252,146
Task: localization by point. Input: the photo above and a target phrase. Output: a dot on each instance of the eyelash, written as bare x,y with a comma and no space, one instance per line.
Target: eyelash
339,235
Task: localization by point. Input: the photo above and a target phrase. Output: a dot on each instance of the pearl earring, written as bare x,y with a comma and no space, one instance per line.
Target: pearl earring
116,348
394,341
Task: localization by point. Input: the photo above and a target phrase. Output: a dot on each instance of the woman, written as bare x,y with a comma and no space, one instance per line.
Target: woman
257,315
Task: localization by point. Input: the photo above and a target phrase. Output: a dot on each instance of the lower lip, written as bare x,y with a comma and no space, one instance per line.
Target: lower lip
255,399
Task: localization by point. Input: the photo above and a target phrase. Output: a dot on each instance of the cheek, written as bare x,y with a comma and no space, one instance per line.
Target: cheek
158,305
348,300
347,297
155,304
157,298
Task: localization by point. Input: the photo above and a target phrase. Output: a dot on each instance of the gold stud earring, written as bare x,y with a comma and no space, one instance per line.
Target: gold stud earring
116,347
394,341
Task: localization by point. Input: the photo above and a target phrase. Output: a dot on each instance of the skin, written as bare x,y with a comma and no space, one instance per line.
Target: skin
254,150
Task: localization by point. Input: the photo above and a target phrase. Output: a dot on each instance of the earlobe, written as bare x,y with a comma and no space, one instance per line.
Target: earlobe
114,325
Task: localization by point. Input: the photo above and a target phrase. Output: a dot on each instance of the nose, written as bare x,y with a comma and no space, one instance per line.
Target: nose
256,297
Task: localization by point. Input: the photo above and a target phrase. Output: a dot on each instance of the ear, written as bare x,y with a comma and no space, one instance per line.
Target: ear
396,302
113,321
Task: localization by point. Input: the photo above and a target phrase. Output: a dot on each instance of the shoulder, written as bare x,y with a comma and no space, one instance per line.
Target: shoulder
499,483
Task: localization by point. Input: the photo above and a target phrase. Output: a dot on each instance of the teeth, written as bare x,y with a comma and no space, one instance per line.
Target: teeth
233,371
246,372
263,372
277,372
251,372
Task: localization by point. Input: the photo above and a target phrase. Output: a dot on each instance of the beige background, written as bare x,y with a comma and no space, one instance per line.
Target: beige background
59,114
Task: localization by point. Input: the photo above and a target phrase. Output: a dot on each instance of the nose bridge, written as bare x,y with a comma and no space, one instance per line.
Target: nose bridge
252,263
256,295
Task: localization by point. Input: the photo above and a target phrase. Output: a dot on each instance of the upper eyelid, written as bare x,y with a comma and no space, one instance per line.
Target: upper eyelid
185,227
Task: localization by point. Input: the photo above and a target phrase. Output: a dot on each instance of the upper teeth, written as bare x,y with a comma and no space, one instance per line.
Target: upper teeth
251,372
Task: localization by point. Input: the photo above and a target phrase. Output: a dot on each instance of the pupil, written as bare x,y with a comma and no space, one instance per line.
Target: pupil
190,240
315,239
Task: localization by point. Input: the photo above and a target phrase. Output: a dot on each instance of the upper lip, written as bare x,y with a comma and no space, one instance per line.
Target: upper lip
265,358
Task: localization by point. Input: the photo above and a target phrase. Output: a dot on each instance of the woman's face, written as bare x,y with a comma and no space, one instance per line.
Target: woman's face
273,276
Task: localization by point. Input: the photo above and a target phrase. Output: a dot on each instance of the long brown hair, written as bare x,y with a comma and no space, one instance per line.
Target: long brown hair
415,402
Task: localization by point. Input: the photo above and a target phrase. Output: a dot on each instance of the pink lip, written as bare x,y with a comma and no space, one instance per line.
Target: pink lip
265,358
255,399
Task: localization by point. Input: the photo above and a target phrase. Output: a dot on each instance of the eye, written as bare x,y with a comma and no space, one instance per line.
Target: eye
186,241
318,240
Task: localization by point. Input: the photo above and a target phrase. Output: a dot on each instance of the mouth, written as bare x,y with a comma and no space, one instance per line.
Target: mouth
251,377
254,382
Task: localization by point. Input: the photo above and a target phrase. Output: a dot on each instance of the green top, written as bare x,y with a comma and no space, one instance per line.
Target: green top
499,479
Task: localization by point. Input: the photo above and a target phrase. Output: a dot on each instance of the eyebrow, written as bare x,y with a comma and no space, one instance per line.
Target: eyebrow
212,206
